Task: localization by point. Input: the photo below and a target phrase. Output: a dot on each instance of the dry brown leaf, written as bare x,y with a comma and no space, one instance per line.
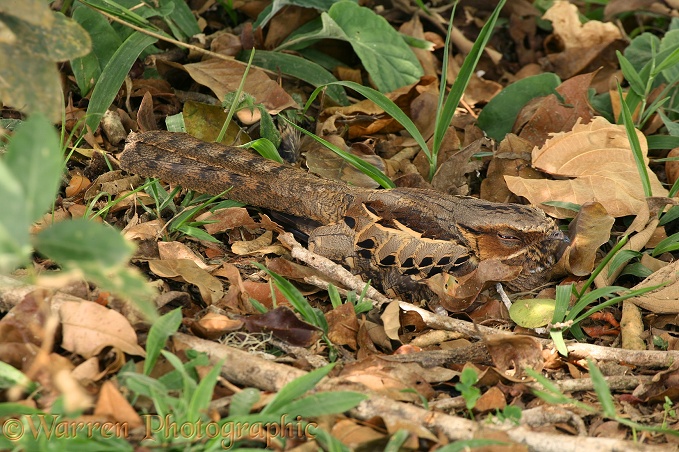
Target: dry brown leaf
223,77
513,353
511,159
210,288
144,231
260,245
590,229
225,219
664,299
214,326
89,327
177,250
343,325
391,320
598,158
113,405
573,33
325,163
546,115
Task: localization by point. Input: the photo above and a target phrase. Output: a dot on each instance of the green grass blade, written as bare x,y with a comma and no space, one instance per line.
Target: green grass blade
112,76
365,167
636,146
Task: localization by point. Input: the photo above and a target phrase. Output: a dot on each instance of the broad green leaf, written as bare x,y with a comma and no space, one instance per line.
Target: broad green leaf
323,27
15,243
267,14
34,158
668,57
112,76
295,389
300,68
105,42
498,116
30,79
387,58
532,313
160,331
82,241
183,17
11,376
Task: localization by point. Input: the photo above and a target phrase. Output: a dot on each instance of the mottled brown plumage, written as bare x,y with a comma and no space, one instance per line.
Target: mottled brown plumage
397,238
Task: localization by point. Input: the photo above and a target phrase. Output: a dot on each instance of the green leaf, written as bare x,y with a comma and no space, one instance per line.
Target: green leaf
82,241
296,388
498,116
621,258
602,390
11,376
265,148
300,68
183,17
105,41
243,401
631,75
365,167
113,75
385,56
635,145
324,403
159,333
267,14
532,313
563,205
670,243
34,157
201,397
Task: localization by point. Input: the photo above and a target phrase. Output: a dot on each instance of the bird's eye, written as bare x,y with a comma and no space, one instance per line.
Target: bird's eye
507,237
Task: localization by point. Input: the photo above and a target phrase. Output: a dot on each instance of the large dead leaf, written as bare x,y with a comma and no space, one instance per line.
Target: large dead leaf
599,162
664,299
89,327
590,229
223,77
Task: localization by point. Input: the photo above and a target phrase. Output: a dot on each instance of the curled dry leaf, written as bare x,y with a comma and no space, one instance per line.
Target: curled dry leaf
210,288
214,326
513,353
599,163
284,325
590,229
260,245
343,326
89,327
662,300
177,250
457,294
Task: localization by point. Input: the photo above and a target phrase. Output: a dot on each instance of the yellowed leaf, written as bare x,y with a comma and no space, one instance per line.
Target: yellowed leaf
573,33
598,159
89,327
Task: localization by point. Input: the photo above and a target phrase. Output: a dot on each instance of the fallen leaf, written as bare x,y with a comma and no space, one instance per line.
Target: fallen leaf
599,162
343,326
260,245
89,327
114,405
284,325
590,229
223,77
210,288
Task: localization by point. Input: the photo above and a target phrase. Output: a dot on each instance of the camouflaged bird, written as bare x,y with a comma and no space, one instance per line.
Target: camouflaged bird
397,238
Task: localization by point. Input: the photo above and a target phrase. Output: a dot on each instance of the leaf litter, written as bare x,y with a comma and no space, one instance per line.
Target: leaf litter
557,150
